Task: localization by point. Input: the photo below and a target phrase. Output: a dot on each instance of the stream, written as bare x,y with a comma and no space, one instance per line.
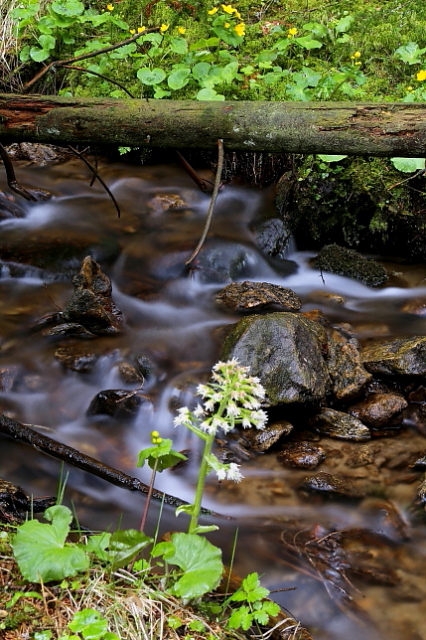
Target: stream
171,321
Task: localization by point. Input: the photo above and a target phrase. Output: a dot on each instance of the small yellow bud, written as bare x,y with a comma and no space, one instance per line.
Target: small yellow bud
132,31
226,25
357,54
409,88
181,30
154,434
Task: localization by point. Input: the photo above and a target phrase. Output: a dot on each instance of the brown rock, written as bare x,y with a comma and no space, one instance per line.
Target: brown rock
76,359
342,426
331,484
380,410
118,403
262,440
252,296
301,455
348,375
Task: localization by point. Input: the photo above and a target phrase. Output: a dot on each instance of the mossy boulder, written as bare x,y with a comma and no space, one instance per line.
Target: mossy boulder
406,356
350,263
285,350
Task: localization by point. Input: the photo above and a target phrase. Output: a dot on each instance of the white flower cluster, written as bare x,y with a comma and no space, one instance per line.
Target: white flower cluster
233,397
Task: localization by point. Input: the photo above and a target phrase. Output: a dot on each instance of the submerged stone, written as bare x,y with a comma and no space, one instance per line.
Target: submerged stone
405,356
250,296
118,403
336,424
380,410
333,485
285,350
262,440
350,263
301,455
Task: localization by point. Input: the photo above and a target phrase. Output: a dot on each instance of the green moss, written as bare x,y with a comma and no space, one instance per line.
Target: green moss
349,263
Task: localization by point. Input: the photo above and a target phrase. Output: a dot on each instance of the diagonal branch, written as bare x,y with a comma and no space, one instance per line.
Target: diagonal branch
99,75
11,177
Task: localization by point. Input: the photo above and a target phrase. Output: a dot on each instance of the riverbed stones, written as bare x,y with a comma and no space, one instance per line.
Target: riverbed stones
348,375
261,440
301,455
117,403
285,350
251,296
332,485
339,425
401,357
380,410
91,303
350,263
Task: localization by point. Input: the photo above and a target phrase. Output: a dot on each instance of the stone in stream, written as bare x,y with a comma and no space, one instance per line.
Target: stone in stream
91,303
77,359
415,306
350,263
400,357
339,425
347,373
380,410
262,440
301,455
332,485
272,236
285,350
251,296
118,403
68,329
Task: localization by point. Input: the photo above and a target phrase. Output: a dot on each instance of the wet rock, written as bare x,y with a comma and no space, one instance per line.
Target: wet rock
8,377
301,455
285,350
129,374
380,410
251,296
350,263
347,373
91,304
9,208
324,297
262,440
272,237
332,485
339,425
405,356
165,201
361,457
221,261
36,153
117,403
76,359
415,306
418,394
70,329
14,503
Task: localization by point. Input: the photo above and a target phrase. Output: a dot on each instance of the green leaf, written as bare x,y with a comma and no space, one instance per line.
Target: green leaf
209,94
204,43
205,528
344,24
151,77
176,80
201,70
89,623
22,594
68,8
98,544
41,551
125,545
408,165
38,55
241,618
178,45
201,562
25,53
307,42
161,548
162,453
330,158
161,93
47,42
185,508
410,53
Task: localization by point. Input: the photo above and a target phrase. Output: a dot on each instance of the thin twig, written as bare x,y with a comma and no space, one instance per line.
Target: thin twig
419,172
201,184
85,56
11,177
213,199
98,177
99,75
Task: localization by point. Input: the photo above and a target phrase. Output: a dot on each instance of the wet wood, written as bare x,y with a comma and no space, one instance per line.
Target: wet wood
365,129
19,431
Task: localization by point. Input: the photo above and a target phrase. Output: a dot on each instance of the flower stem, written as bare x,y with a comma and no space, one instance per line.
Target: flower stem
148,496
204,469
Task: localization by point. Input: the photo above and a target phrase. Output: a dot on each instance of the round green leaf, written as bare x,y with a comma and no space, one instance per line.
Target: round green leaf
151,76
68,7
178,79
408,165
330,158
38,55
209,94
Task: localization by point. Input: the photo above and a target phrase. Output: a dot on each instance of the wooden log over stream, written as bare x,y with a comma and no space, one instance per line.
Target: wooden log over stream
365,129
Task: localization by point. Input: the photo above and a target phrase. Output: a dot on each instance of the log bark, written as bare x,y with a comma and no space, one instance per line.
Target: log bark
393,129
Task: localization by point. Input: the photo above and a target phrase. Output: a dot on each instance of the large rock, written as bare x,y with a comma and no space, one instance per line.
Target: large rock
406,356
285,350
91,304
350,263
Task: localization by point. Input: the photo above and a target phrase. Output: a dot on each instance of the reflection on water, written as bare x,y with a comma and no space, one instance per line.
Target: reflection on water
171,318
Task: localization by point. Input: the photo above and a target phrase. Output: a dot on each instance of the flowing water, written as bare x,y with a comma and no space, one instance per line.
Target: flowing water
171,318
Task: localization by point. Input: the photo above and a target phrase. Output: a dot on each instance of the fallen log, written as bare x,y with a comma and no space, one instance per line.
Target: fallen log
365,129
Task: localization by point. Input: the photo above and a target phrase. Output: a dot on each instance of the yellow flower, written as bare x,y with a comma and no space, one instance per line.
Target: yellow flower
357,54
181,30
110,7
292,32
164,28
228,8
240,29
141,29
213,11
226,25
358,63
237,14
421,75
132,31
